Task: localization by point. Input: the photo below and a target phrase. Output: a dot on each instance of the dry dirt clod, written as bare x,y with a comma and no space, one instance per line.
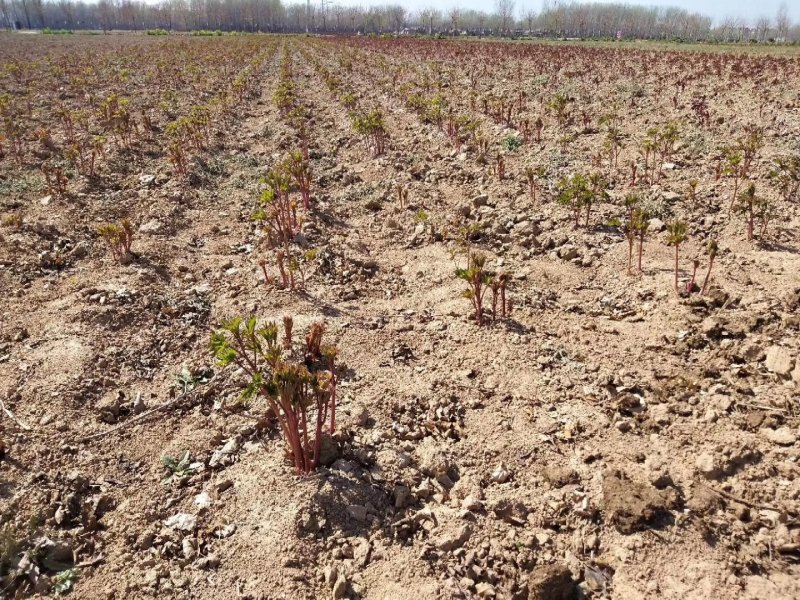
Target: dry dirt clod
783,436
451,540
708,465
340,587
181,522
551,582
779,361
633,506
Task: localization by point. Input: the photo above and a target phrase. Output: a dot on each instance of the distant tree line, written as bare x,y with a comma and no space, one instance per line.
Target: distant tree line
556,19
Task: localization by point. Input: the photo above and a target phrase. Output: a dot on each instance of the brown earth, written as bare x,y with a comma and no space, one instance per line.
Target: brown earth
609,437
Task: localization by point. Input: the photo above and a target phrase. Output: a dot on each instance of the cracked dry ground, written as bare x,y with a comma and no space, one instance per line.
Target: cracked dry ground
607,439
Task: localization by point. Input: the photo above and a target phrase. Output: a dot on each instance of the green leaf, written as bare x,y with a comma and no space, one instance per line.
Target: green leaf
233,325
223,351
254,387
63,581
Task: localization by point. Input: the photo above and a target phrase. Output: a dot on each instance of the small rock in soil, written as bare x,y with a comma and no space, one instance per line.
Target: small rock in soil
182,522
782,436
452,540
779,361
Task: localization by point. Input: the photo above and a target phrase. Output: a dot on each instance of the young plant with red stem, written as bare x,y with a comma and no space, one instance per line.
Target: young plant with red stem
299,168
118,237
746,206
533,176
677,235
402,195
498,286
598,190
288,324
690,283
631,200
641,222
575,192
733,168
279,216
478,280
299,395
712,250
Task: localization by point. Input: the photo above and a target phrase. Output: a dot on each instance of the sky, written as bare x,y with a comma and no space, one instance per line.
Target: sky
717,9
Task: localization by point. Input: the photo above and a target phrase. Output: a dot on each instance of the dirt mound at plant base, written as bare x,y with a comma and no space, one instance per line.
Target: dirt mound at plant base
552,582
632,506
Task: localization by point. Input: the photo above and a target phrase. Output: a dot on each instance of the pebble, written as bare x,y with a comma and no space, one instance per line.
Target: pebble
567,252
707,465
401,495
500,474
181,522
357,512
452,540
202,500
331,574
472,504
779,361
139,405
782,436
340,587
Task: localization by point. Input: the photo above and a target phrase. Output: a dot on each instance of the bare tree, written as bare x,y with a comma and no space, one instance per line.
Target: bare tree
26,12
105,12
127,12
762,28
505,11
557,17
782,22
529,16
5,17
353,14
430,16
398,16
37,9
481,19
455,18
66,8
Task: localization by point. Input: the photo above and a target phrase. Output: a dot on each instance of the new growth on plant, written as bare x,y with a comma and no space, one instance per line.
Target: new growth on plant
580,191
677,235
478,279
371,125
640,222
118,238
629,227
785,177
747,206
533,175
278,214
299,168
299,393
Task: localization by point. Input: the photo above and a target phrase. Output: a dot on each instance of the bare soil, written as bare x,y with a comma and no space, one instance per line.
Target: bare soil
609,438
